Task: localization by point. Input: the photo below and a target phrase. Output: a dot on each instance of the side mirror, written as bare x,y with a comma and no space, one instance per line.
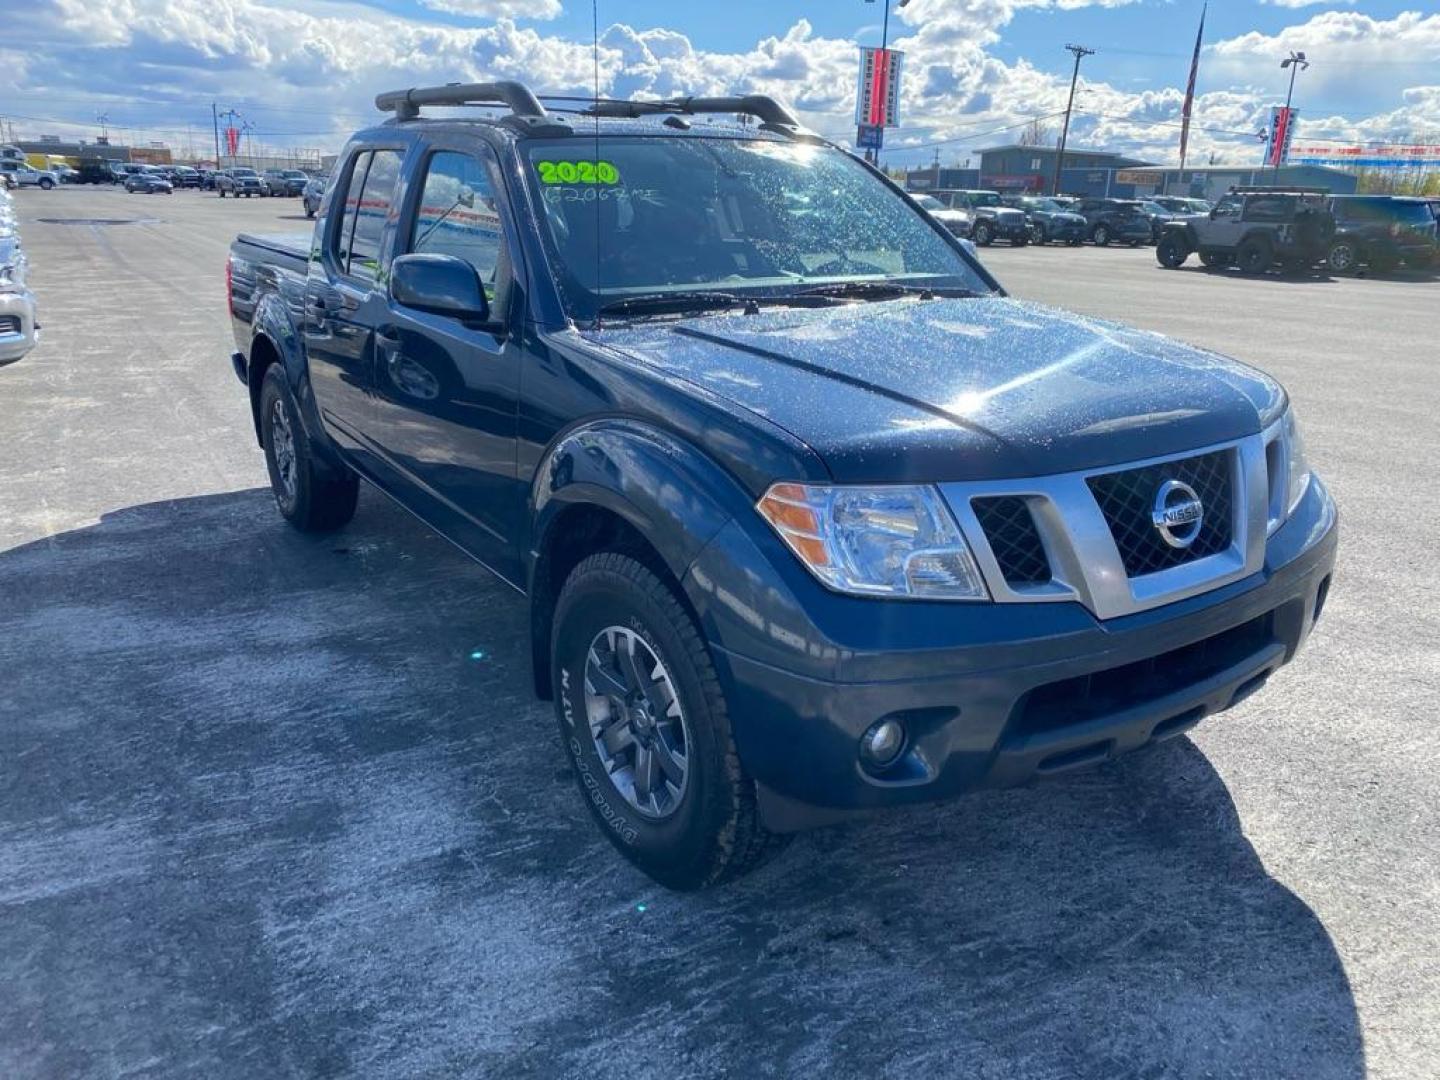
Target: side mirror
439,284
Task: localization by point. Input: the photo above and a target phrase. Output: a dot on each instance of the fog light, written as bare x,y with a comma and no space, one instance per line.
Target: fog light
882,743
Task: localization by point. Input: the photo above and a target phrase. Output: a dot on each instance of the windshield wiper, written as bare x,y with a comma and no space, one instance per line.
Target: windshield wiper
675,303
885,290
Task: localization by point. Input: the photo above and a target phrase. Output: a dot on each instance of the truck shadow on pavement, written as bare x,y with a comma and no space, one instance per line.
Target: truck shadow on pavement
276,805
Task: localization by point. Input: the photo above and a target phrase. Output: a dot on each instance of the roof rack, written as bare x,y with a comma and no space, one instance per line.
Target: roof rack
1277,189
525,108
772,115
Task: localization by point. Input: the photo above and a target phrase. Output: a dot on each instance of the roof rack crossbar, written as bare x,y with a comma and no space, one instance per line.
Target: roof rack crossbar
761,106
405,104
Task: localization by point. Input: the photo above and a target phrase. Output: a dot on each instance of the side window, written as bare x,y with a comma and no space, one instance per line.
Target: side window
458,215
373,210
340,246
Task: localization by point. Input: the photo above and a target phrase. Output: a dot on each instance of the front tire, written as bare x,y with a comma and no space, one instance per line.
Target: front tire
646,727
47,184
310,494
1172,251
982,234
1101,236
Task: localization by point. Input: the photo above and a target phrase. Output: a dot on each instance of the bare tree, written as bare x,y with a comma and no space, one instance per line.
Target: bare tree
1038,133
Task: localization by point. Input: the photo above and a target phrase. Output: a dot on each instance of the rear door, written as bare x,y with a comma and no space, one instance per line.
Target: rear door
344,298
447,390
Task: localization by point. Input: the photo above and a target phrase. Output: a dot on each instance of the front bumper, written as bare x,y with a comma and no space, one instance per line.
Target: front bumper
19,332
991,695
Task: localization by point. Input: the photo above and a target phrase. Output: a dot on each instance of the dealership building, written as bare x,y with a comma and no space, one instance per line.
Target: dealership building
1013,168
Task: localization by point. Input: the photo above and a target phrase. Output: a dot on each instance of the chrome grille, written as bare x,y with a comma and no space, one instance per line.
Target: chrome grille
1126,499
9,324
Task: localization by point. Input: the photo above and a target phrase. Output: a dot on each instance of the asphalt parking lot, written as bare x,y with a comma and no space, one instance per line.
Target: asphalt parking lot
275,805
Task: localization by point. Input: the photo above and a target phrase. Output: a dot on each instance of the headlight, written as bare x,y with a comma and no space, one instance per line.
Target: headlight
1298,468
875,541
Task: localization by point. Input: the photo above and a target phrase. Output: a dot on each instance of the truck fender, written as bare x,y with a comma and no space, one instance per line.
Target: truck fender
666,490
273,329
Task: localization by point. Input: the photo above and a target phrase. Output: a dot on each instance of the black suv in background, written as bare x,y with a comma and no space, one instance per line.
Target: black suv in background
1111,220
1049,220
1381,231
990,219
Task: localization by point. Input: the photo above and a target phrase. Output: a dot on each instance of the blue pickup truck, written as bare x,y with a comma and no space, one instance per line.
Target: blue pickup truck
811,517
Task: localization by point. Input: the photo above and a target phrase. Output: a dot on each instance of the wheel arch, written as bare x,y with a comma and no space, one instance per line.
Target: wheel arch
620,485
274,341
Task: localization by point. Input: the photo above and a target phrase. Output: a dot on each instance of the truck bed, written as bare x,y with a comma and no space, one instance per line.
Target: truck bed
292,248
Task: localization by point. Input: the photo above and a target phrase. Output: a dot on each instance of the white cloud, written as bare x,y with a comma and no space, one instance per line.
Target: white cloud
498,9
1303,3
312,67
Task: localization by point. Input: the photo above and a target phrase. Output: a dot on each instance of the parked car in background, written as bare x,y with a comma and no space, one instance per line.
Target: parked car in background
1184,206
183,176
238,181
810,518
991,219
956,222
1049,220
285,181
93,171
1157,215
23,174
1381,232
121,170
19,331
313,195
66,174
1254,228
149,182
1110,221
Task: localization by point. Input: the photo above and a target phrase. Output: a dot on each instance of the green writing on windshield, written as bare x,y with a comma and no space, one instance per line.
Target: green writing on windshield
577,172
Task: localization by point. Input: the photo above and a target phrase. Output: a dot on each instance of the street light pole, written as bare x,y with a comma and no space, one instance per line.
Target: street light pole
1295,61
1080,52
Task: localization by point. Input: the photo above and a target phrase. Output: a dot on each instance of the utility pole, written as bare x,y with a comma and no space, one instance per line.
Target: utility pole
104,121
215,121
1295,61
1080,52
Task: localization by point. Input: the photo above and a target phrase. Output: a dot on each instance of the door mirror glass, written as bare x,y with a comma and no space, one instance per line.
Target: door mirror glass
439,284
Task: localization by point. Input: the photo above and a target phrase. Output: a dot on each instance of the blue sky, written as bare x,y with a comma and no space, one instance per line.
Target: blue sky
303,72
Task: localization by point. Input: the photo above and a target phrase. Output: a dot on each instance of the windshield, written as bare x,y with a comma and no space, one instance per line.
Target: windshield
928,202
1048,205
983,198
242,172
758,217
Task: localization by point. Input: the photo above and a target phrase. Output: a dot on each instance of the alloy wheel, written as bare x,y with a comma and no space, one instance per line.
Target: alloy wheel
282,445
636,721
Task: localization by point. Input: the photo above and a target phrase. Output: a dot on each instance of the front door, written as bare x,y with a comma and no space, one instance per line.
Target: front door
447,390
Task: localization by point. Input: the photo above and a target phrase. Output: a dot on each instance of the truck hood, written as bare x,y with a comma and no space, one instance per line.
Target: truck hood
957,389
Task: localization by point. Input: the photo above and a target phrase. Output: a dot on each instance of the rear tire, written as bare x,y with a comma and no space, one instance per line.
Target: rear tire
222,192
1343,257
310,494
1101,236
703,827
1254,255
982,234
